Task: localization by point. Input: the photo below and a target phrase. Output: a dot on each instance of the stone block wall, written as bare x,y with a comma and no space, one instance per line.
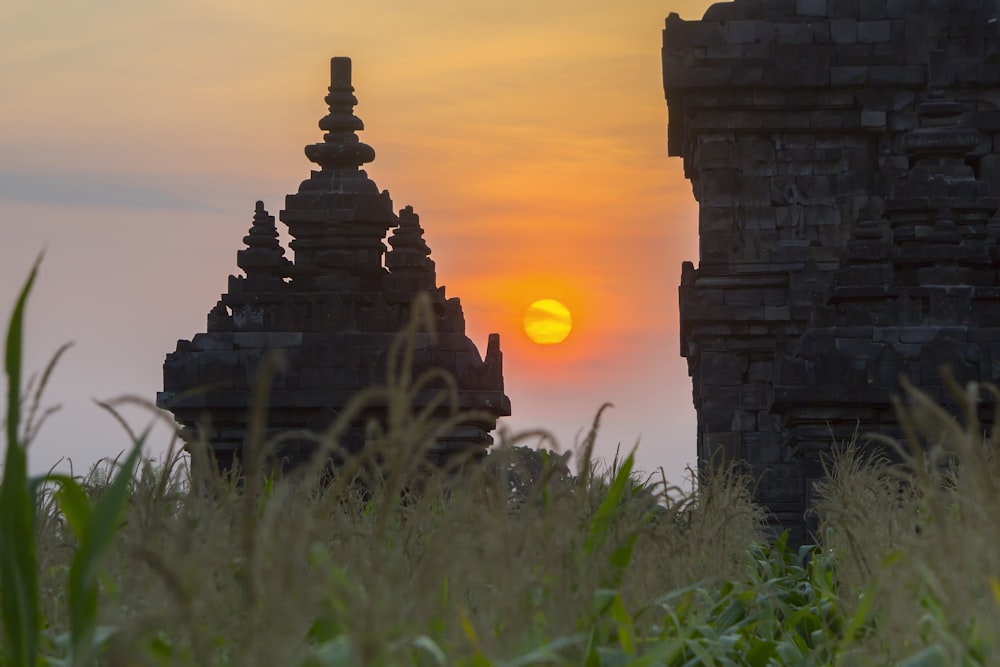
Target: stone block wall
845,155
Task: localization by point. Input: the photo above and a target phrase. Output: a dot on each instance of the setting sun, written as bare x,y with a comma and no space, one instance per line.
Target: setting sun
547,322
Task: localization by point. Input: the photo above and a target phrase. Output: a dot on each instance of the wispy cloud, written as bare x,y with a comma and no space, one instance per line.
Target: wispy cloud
80,189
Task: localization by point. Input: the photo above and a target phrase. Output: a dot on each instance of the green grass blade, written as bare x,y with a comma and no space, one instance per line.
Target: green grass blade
626,628
95,542
12,363
19,606
603,518
73,502
760,653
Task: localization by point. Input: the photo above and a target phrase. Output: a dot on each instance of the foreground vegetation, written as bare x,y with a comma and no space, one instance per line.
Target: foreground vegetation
517,561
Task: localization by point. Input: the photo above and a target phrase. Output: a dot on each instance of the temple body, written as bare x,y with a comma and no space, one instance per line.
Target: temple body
333,312
845,155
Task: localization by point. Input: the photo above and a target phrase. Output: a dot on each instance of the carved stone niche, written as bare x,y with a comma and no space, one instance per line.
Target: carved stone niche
333,312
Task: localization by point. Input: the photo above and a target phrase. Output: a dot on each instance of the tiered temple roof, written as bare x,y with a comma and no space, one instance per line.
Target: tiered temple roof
333,311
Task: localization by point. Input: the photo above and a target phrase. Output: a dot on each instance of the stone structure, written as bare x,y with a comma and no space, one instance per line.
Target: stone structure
333,311
845,155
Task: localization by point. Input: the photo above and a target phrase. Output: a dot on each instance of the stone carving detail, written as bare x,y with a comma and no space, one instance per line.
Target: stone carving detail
846,160
333,311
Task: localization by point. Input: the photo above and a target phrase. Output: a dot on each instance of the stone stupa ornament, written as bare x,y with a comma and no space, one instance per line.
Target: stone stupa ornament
334,312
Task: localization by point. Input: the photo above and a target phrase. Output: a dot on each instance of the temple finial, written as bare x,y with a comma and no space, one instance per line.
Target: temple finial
341,147
340,73
263,260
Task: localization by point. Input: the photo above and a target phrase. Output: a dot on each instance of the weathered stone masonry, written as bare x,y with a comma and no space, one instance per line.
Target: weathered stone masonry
845,155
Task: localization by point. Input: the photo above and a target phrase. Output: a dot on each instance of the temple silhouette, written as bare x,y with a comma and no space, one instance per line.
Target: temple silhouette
333,311
845,156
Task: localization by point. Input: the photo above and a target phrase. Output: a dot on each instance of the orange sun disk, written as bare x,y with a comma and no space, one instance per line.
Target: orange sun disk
547,322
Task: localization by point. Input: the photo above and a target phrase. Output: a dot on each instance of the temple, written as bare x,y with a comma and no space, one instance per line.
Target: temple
333,312
845,155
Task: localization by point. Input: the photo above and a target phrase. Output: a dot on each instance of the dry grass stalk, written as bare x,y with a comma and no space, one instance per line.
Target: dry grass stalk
920,536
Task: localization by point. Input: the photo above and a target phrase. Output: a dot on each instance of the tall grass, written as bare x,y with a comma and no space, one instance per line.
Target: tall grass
387,561
450,570
917,540
515,560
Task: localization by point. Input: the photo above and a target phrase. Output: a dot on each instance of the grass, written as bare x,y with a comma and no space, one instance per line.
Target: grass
518,560
919,538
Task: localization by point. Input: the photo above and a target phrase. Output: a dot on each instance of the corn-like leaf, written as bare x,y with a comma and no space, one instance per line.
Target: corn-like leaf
626,628
760,652
733,614
19,606
666,651
73,502
94,544
601,522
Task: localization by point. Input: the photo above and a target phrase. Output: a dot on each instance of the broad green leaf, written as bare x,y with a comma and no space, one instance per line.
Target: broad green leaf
760,652
626,628
603,599
665,652
733,614
480,660
19,596
593,659
73,502
601,522
94,544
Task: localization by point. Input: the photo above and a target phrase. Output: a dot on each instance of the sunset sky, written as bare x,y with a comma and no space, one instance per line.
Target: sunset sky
529,136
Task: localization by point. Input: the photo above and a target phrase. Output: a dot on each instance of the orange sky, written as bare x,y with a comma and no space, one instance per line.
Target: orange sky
529,136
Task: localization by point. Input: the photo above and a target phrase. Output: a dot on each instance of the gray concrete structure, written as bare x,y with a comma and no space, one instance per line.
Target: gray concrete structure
845,155
333,311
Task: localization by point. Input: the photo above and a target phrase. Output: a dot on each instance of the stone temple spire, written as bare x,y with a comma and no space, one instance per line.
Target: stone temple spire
341,147
338,218
334,321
